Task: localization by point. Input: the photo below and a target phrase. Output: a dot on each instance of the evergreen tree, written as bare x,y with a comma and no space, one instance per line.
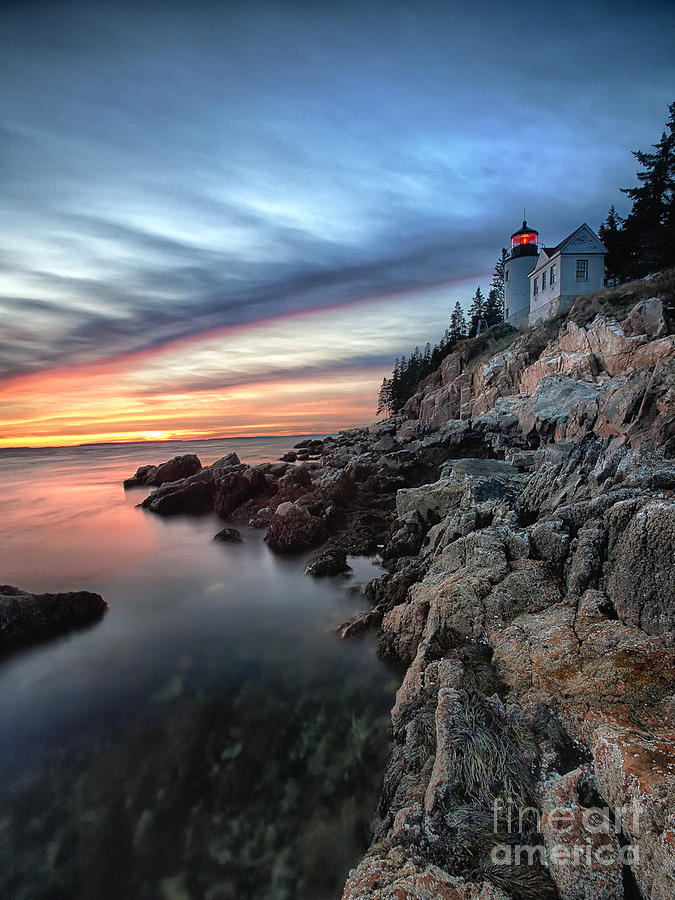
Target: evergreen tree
613,237
458,329
384,400
494,308
476,311
427,357
497,283
650,225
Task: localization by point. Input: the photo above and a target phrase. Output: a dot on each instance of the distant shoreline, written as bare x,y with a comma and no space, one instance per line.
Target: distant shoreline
235,437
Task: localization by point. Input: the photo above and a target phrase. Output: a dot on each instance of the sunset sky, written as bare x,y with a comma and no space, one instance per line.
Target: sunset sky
223,219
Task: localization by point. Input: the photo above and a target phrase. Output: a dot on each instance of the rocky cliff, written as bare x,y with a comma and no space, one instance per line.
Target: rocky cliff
533,732
524,507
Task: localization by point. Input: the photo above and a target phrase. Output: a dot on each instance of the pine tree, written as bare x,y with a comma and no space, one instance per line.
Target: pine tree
494,308
497,283
476,311
384,400
458,329
650,225
613,237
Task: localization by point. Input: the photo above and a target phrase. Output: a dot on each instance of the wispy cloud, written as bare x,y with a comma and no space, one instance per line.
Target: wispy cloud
172,175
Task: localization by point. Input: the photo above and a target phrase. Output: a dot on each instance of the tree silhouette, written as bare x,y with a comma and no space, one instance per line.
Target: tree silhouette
649,229
476,311
458,329
494,308
497,283
614,238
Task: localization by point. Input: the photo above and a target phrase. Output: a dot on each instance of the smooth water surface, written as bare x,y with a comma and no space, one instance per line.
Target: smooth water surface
210,737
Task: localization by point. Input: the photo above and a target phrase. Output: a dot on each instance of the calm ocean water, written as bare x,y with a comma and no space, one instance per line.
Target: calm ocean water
211,737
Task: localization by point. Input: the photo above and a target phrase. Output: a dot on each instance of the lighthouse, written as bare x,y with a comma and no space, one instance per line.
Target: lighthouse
519,263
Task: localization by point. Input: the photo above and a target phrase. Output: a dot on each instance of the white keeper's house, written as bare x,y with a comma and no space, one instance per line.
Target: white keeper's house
540,282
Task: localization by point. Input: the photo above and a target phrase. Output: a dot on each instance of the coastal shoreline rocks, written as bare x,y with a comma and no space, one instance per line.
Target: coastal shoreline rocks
523,505
27,618
173,470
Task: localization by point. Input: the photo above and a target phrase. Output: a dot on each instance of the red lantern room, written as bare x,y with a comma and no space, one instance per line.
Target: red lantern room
524,242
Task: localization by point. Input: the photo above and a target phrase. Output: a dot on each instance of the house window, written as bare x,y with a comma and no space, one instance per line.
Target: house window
536,286
551,279
543,281
506,276
582,270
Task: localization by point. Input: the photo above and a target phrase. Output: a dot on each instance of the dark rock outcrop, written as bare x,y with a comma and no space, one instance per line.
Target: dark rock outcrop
228,536
330,561
192,495
294,528
175,469
26,618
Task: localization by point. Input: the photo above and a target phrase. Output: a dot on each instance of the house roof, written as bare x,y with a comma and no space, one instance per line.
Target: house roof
547,253
551,251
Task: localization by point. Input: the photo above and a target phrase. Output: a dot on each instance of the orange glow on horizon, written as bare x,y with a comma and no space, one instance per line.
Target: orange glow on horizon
95,404
288,374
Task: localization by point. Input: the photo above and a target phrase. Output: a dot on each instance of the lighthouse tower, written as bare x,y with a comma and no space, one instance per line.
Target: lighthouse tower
521,260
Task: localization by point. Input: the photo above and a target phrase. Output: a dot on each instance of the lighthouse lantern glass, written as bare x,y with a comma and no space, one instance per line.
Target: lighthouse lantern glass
523,237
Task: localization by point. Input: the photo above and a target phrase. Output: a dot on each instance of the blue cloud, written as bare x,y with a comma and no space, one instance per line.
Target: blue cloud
166,171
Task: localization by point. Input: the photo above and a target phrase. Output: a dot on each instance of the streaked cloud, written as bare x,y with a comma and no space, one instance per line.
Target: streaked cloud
176,181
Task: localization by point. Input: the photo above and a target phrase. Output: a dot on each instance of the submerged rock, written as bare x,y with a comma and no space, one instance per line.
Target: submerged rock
228,536
26,617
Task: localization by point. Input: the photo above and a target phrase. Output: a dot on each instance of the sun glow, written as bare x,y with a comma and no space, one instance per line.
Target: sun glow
92,404
300,373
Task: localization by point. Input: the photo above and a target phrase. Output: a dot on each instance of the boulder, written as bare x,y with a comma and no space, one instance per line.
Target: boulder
437,407
406,537
485,468
262,518
431,501
192,495
634,770
294,528
641,566
331,561
295,475
408,431
560,408
646,318
235,488
228,536
395,875
604,347
225,462
26,617
385,444
140,479
175,469
576,819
